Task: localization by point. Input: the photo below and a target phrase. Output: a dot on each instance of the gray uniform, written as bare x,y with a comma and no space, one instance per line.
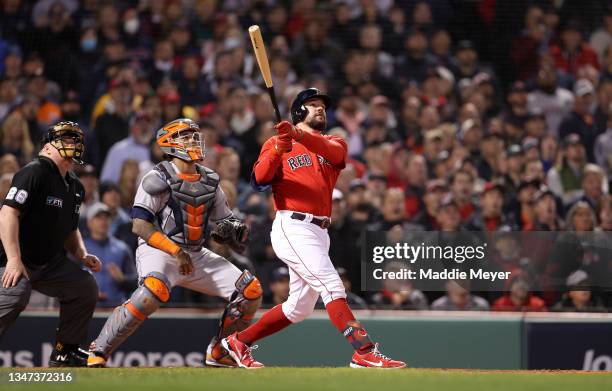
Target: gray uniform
180,209
213,274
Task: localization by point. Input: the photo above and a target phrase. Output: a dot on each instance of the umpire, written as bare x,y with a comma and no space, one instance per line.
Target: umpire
38,225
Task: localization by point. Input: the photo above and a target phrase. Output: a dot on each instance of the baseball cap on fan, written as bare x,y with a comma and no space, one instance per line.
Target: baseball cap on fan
337,195
583,87
280,273
96,209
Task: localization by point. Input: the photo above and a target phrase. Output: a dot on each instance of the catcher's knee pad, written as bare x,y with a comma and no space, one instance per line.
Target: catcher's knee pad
243,305
154,290
158,285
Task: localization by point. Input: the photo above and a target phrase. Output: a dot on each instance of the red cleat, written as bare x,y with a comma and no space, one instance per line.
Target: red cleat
241,352
375,359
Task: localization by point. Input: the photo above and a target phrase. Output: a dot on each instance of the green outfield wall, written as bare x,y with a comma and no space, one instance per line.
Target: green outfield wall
423,339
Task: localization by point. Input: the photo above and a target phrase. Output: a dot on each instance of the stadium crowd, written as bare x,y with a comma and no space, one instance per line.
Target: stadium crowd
459,115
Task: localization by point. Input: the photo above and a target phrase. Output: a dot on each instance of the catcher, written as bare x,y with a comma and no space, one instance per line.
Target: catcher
172,207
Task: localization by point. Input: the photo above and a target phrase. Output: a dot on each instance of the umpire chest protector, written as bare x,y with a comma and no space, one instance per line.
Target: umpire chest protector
190,203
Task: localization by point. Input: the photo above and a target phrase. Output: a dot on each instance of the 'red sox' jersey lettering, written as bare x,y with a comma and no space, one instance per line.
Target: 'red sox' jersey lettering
303,180
299,161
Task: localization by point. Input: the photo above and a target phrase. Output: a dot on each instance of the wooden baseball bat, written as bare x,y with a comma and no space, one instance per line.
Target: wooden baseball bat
264,65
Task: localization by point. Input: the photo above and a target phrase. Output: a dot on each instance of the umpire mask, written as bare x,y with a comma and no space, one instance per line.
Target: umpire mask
68,138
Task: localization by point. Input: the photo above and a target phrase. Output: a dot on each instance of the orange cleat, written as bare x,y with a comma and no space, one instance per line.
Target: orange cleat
218,357
96,360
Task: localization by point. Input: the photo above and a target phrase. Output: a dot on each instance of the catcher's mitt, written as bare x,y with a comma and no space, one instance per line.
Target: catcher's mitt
232,232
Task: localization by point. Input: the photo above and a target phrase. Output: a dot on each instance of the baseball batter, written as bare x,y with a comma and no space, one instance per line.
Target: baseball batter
172,207
302,166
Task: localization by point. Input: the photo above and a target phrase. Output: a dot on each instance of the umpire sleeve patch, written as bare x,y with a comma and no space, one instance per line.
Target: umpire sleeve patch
143,214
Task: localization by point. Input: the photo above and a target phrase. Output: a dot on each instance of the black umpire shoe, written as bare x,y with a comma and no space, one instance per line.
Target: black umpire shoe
68,356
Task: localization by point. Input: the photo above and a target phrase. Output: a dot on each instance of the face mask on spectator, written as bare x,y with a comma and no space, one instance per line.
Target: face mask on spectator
89,44
131,26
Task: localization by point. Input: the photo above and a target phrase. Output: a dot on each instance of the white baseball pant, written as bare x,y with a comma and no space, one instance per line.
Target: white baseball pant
212,274
304,248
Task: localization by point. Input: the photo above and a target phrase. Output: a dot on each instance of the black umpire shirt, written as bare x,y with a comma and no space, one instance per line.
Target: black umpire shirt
49,208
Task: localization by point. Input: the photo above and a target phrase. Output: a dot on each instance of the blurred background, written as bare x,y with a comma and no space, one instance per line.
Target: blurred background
480,115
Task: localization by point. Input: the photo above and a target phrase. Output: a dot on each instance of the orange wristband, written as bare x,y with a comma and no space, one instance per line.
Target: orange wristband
161,242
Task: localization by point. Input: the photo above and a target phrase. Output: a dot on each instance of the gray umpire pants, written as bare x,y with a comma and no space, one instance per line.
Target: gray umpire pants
64,279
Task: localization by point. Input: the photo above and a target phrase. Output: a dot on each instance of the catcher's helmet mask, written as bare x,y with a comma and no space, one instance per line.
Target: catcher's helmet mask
298,107
57,136
181,138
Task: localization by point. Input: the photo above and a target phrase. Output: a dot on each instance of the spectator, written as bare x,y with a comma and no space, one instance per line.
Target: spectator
593,185
170,105
118,276
113,124
134,147
399,294
426,218
549,152
89,178
573,53
566,180
459,298
110,194
162,62
490,217
545,216
519,298
8,164
525,214
279,286
448,215
128,183
602,38
5,184
579,297
393,209
605,213
515,161
16,138
462,186
412,64
527,46
549,99
344,234
580,120
413,193
354,300
603,148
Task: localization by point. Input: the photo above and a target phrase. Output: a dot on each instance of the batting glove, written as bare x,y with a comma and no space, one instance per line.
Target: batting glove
286,128
283,144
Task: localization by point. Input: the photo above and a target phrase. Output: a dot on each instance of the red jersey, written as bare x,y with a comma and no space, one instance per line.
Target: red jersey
302,180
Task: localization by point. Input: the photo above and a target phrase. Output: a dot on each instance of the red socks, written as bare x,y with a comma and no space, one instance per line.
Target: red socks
271,322
342,317
339,313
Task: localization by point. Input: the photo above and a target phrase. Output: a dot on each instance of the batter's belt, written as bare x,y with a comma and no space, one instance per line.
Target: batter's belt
323,223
